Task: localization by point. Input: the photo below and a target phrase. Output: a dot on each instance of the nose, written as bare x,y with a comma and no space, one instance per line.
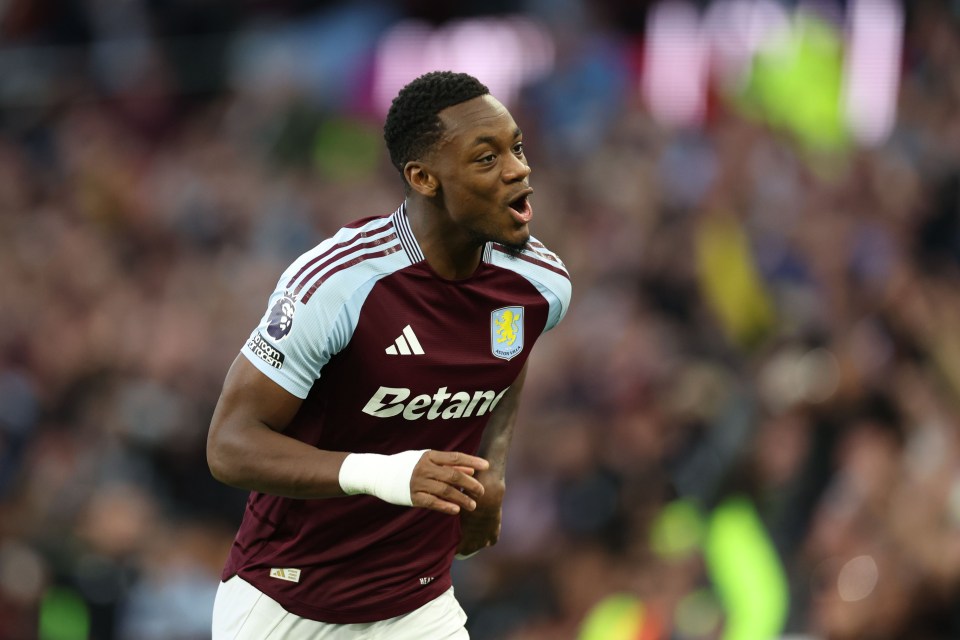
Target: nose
516,168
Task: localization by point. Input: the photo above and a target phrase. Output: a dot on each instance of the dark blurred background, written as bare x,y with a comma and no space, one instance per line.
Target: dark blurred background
746,427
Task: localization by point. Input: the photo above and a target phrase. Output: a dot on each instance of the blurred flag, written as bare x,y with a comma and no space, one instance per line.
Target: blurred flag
730,281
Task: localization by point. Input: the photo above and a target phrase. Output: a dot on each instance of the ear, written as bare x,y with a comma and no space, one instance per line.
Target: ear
421,179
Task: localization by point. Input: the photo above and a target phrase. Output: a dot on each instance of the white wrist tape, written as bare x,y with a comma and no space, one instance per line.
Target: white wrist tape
386,477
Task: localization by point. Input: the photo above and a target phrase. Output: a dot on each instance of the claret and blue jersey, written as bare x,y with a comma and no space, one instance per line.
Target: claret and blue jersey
388,357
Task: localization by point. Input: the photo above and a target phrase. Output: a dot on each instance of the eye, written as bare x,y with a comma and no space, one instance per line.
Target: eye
487,159
518,148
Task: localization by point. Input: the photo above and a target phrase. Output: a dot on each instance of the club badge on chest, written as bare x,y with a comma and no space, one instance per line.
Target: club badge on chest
506,332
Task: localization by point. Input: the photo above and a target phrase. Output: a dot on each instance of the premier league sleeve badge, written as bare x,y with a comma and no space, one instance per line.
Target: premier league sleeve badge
281,317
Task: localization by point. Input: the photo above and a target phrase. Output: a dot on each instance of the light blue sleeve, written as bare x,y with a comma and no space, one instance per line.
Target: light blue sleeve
295,340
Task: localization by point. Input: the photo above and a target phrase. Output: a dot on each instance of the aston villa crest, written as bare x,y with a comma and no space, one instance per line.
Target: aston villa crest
506,332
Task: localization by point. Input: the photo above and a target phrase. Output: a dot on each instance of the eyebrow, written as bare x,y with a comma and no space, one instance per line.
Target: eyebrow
493,139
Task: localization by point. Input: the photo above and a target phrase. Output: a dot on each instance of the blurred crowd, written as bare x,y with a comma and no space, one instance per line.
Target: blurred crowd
746,426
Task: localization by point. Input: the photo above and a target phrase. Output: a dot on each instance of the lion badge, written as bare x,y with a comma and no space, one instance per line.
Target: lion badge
506,332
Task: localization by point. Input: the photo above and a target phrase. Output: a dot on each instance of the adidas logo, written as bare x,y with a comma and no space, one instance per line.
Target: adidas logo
406,344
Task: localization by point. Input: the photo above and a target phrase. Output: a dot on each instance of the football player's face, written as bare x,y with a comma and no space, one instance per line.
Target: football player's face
483,173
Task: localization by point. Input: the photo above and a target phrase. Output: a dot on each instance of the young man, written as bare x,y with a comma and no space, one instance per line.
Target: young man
390,357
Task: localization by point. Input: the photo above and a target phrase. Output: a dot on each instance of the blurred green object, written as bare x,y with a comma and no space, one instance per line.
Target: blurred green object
620,617
677,530
698,614
746,571
346,149
617,617
796,85
63,615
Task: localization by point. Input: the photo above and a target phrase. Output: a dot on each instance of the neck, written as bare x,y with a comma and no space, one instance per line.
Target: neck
450,252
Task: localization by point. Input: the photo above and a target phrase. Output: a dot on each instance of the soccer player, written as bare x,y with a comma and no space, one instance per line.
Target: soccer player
371,411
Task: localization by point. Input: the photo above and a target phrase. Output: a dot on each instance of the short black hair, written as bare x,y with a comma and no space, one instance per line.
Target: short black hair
412,126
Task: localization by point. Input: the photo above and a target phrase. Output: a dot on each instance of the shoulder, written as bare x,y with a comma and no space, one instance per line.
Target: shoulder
352,256
541,267
534,261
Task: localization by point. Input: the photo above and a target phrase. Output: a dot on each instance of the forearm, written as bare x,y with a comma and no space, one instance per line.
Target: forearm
257,458
498,434
247,448
272,463
495,452
481,528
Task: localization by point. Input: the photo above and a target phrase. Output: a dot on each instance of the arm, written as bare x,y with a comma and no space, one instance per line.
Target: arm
481,528
246,448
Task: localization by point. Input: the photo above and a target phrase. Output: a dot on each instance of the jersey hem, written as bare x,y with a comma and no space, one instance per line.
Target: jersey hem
352,616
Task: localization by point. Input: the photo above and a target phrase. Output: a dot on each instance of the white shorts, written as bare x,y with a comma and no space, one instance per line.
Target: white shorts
242,612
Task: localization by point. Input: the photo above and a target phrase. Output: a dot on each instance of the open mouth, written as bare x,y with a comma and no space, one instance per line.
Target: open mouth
523,212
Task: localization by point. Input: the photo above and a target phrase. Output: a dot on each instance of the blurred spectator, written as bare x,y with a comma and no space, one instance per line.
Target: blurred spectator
764,338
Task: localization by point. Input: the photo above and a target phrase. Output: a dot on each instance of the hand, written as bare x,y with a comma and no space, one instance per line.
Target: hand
480,528
443,481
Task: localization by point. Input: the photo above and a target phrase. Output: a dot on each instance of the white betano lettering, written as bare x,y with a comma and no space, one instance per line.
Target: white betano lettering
416,406
376,407
388,402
